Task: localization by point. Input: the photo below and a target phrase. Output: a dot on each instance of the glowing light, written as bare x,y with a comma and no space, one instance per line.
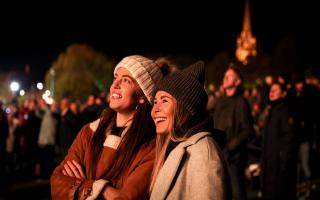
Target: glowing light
22,92
47,92
40,86
14,86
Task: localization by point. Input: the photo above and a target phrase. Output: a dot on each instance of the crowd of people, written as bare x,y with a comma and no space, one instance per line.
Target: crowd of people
161,135
35,135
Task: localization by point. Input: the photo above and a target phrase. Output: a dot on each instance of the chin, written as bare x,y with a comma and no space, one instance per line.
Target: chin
115,103
114,106
161,132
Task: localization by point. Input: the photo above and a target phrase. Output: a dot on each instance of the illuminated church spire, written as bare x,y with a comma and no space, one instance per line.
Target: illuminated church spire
246,42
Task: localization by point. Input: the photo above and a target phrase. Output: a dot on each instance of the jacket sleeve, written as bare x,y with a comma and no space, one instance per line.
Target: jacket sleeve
243,125
65,187
137,183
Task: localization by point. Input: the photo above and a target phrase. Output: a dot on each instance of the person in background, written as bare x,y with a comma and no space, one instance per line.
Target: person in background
67,127
304,103
279,153
4,128
47,139
90,111
233,116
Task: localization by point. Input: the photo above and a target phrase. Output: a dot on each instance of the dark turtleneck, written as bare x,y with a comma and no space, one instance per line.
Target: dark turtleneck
276,102
116,130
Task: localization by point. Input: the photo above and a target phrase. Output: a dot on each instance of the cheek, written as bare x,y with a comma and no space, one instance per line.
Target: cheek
131,95
170,115
152,112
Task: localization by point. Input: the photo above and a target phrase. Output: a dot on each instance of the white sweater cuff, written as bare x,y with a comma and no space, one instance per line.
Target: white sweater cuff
97,187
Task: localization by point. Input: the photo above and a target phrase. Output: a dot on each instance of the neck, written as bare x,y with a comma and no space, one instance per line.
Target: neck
124,119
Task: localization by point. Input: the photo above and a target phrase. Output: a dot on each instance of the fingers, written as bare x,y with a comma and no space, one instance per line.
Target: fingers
73,169
79,168
68,170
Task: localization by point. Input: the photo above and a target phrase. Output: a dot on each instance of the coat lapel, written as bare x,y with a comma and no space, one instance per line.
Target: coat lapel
170,167
167,173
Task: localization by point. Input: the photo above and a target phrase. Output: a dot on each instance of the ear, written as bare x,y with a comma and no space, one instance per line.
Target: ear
141,101
284,94
238,82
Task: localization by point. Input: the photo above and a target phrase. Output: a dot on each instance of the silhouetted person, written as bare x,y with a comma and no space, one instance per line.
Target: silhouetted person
233,116
67,126
31,130
4,132
304,101
279,155
90,112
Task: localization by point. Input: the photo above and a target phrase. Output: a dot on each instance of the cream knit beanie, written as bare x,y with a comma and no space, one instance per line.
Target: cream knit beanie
145,71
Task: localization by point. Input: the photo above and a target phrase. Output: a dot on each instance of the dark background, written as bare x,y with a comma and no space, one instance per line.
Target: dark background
198,29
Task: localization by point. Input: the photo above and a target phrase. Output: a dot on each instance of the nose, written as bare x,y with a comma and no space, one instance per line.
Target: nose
116,83
156,108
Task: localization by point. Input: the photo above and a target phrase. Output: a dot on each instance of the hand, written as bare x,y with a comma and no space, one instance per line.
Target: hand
73,169
254,169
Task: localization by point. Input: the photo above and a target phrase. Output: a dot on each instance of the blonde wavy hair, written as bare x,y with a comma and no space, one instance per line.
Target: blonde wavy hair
181,125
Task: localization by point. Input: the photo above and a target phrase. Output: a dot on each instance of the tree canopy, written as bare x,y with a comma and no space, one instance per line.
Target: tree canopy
80,71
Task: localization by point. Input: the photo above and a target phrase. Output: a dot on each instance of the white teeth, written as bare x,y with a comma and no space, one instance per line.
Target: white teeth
116,96
159,119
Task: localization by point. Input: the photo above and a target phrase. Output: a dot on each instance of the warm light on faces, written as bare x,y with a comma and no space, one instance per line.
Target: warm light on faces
163,112
123,92
276,92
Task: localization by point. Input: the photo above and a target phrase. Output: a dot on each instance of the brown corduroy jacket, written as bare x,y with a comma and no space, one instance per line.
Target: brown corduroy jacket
133,184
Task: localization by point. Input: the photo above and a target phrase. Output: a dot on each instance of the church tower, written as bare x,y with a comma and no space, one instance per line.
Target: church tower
246,42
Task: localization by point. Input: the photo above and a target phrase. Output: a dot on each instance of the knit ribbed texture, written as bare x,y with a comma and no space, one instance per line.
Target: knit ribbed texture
187,86
145,71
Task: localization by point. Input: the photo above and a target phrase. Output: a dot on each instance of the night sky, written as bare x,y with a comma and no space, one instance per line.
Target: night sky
199,30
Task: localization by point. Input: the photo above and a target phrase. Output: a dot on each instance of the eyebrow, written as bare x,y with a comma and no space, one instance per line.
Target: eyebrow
163,96
127,76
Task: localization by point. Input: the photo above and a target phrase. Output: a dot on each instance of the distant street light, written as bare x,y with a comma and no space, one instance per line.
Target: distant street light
22,92
14,86
39,86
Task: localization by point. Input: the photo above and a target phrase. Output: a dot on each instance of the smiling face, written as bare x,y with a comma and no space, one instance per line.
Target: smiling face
163,112
124,92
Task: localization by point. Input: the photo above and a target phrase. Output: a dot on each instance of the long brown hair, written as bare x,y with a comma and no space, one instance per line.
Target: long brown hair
141,130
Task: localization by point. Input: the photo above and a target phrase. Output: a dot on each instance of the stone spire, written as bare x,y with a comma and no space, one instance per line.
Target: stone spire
246,42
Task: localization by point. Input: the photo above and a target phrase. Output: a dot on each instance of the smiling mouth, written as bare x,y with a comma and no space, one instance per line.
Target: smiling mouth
116,96
160,119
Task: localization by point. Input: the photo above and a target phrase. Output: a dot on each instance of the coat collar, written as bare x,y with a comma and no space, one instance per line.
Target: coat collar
192,139
111,141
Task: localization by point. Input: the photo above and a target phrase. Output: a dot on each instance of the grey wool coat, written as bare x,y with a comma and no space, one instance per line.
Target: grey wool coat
194,169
